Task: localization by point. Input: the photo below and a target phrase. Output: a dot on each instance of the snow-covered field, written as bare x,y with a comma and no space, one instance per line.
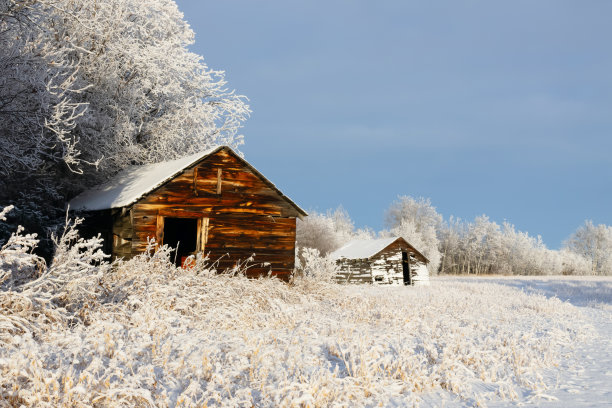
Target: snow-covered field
583,376
154,335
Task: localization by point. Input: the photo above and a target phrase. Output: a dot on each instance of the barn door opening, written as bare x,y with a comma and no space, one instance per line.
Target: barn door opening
406,268
187,236
181,234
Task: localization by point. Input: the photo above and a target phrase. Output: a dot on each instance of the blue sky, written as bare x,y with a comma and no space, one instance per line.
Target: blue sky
496,108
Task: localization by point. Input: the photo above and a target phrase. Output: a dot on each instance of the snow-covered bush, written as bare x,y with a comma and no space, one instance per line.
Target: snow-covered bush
34,297
573,263
18,262
314,266
73,277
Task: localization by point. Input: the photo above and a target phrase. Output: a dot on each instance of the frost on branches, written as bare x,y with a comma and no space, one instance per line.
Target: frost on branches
17,258
311,265
593,243
109,79
93,86
417,221
328,232
34,295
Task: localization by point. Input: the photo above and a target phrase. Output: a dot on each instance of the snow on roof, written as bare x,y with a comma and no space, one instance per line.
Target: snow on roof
362,248
132,183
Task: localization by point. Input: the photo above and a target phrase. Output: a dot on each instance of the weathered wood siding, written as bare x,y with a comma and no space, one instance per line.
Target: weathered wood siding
383,269
387,268
421,274
247,217
354,271
122,234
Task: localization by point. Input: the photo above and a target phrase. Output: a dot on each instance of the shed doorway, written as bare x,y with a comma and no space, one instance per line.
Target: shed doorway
181,234
406,268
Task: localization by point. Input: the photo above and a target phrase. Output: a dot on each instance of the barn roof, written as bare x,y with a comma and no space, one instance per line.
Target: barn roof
134,182
367,248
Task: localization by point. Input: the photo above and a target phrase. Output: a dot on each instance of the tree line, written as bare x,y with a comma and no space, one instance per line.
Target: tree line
456,246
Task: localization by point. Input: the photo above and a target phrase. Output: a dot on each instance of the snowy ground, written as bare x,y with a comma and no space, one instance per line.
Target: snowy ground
157,336
583,377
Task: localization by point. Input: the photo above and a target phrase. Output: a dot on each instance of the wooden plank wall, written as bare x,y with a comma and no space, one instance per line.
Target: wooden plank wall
122,234
247,217
383,269
387,268
354,271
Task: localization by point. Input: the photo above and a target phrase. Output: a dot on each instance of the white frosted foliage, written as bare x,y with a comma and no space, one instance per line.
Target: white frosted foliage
107,82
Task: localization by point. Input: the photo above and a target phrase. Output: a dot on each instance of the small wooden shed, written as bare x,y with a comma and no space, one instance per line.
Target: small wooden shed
213,202
391,261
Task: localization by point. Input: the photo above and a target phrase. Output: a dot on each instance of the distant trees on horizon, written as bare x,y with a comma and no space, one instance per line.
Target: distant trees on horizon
456,246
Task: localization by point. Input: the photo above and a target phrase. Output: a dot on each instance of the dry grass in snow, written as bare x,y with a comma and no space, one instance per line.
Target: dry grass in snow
161,336
145,333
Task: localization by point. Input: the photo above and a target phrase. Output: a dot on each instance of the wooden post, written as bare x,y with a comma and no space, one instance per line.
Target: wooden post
195,181
159,232
202,234
409,269
219,181
407,273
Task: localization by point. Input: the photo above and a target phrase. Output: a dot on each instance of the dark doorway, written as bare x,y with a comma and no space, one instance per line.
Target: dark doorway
406,268
181,234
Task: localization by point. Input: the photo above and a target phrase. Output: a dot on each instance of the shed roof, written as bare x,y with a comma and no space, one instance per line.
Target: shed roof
367,248
134,182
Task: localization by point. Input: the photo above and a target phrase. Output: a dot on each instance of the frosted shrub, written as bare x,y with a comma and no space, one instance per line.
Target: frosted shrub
50,293
76,269
573,263
314,266
17,260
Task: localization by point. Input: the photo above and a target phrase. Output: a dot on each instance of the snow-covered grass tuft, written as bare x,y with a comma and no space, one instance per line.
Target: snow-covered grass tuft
152,334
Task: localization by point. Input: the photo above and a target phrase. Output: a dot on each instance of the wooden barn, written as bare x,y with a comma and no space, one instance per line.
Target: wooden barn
390,261
212,202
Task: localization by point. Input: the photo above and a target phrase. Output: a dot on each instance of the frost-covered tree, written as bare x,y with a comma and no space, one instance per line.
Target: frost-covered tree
90,87
593,242
328,232
521,252
113,80
485,247
417,221
450,235
573,263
